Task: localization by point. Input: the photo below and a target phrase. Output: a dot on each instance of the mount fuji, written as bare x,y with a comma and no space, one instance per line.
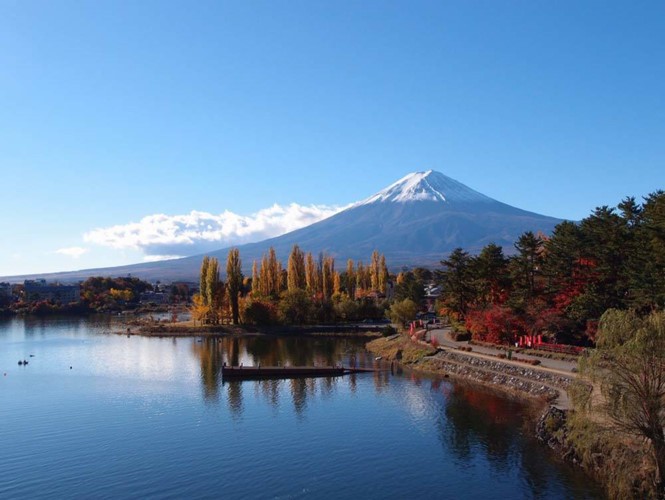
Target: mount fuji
415,221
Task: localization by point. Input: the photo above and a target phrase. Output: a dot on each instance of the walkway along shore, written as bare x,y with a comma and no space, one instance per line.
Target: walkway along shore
547,382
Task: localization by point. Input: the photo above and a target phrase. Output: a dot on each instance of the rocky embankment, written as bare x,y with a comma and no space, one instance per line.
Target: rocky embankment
551,429
619,462
525,381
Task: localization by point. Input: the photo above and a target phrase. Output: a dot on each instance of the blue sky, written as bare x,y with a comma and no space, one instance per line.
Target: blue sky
114,112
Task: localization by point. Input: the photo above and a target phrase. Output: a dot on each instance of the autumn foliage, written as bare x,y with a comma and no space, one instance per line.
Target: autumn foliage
496,324
560,285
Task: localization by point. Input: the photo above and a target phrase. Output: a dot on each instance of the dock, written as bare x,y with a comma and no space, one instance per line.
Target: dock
275,372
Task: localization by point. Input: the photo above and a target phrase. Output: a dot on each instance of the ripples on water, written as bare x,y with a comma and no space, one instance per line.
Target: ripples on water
138,417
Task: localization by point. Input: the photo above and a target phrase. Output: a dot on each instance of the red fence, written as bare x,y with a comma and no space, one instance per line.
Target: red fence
536,342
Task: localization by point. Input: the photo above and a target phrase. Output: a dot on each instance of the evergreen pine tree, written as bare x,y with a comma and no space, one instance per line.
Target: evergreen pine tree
456,281
489,271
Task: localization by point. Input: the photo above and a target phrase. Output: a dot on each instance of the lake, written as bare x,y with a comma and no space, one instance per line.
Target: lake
100,415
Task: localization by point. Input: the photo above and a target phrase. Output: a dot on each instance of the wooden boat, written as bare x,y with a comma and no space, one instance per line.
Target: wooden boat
261,372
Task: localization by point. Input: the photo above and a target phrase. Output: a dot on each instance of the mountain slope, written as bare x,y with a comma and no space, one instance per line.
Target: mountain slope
414,221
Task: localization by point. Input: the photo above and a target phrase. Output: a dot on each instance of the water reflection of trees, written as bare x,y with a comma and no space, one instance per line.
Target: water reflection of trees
212,353
381,379
270,390
477,422
74,325
480,421
472,422
210,360
234,396
270,351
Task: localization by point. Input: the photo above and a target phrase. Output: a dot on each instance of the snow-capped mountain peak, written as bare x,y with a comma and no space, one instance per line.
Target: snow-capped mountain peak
414,222
427,186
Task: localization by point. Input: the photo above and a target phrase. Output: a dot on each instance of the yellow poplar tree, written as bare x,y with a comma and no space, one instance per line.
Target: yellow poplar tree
374,270
383,274
350,283
198,309
296,279
363,279
256,281
274,273
264,277
234,281
328,271
203,277
311,274
214,290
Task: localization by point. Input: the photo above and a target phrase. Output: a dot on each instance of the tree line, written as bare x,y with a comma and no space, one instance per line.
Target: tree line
563,283
310,289
97,294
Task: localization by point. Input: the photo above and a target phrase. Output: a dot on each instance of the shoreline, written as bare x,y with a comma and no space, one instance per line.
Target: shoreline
188,329
537,385
546,400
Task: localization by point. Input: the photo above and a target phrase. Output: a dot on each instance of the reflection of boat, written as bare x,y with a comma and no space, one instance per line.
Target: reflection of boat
259,372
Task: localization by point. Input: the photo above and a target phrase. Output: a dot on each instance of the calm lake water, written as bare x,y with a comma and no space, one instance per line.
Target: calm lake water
151,418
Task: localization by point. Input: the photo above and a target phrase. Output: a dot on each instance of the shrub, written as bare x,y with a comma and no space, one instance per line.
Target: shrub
296,307
257,312
532,362
552,424
402,312
388,330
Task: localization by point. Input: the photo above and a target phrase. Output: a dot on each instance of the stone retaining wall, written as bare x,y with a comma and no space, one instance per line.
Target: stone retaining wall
526,380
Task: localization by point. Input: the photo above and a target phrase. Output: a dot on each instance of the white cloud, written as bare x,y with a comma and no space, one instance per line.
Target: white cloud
168,236
74,252
157,258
